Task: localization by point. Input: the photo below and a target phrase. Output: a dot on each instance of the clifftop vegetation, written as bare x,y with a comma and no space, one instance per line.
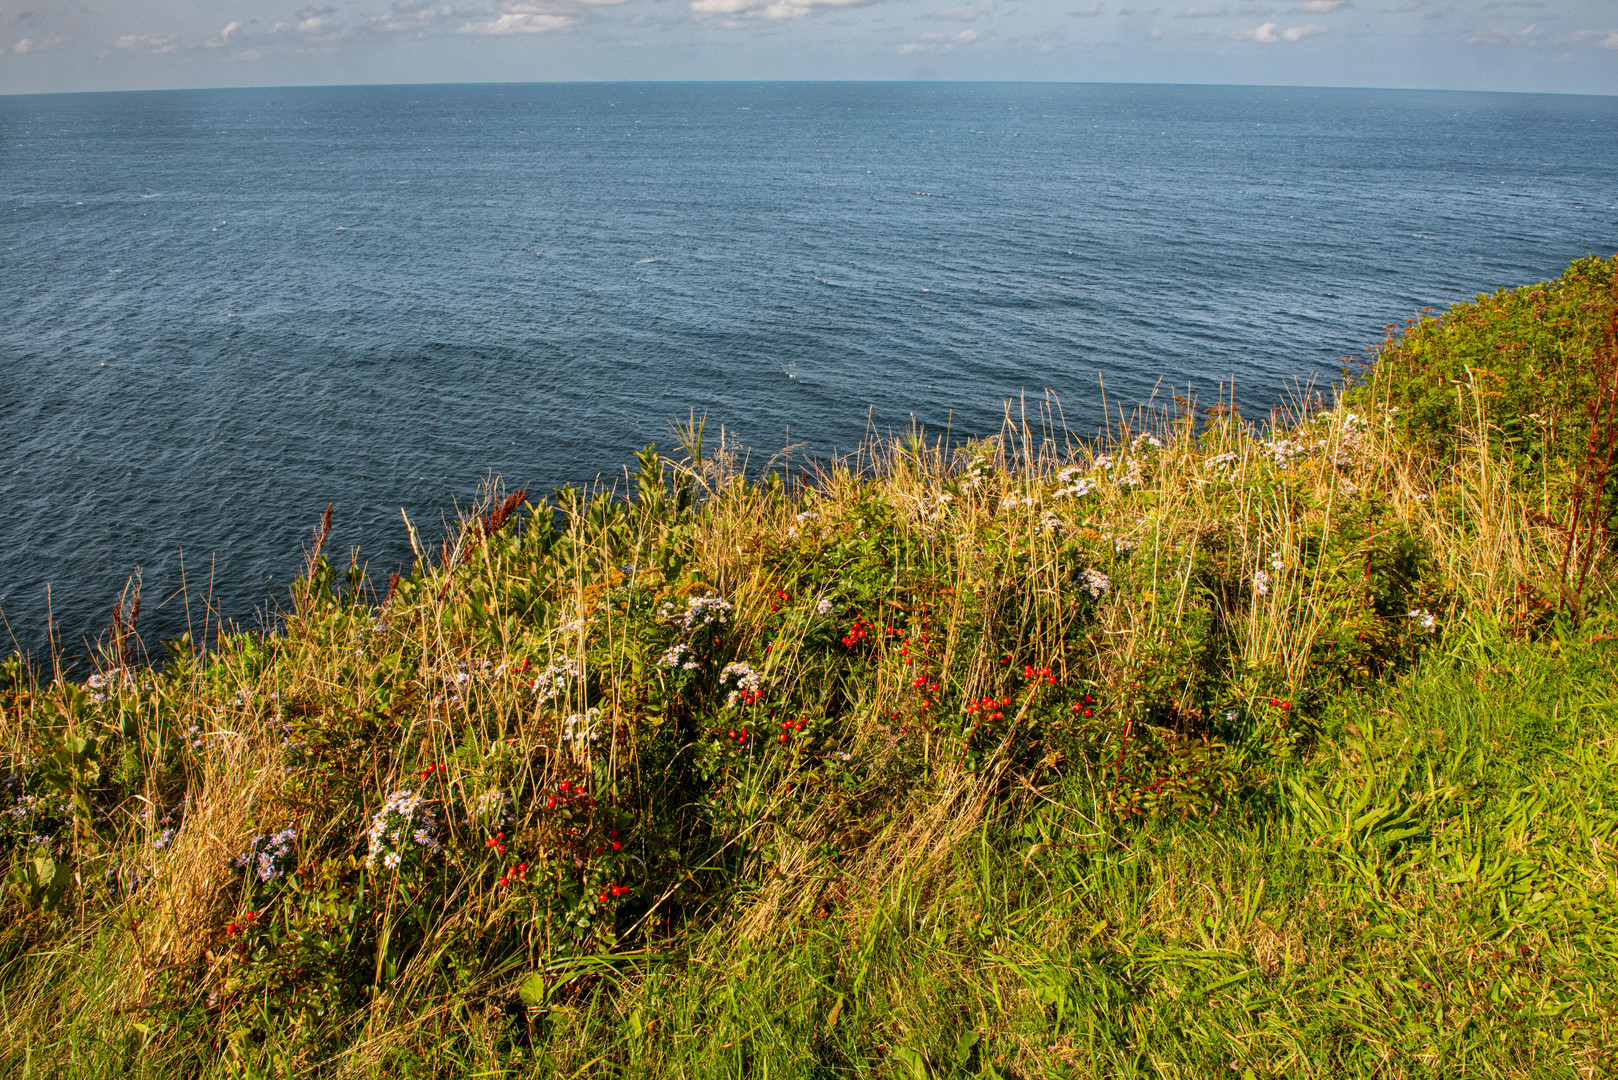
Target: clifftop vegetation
1210,746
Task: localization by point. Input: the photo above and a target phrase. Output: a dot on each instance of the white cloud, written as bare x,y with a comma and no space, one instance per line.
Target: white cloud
934,43
1604,39
22,46
146,43
964,13
1501,36
520,18
1271,33
409,16
768,9
1195,12
229,31
1321,7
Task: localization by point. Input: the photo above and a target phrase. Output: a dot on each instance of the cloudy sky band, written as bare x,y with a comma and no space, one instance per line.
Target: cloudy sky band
1568,46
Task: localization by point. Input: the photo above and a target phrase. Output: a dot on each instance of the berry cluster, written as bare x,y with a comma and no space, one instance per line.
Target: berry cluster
569,795
858,632
1034,674
234,928
989,707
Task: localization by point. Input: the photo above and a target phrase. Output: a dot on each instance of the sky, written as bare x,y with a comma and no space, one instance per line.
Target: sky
1555,46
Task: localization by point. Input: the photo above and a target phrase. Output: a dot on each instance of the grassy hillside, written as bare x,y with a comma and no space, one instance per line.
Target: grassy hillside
1209,748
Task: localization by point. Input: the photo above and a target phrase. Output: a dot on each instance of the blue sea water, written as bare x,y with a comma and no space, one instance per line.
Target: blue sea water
222,310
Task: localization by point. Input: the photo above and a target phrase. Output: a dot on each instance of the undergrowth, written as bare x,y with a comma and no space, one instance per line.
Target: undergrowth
1204,747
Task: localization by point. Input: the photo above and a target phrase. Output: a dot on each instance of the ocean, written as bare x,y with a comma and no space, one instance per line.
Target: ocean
223,310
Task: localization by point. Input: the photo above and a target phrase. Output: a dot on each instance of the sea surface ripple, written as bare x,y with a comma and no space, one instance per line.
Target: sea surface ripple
222,310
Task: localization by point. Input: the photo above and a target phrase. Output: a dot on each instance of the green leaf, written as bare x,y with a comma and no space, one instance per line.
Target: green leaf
534,990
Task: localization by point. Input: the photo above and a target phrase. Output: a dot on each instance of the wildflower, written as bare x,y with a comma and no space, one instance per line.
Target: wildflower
1096,582
493,803
405,813
548,684
700,611
749,683
1425,619
581,726
824,607
1281,451
1261,583
1276,562
162,841
1122,546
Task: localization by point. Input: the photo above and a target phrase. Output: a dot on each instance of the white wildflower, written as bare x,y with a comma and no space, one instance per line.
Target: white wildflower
405,813
550,683
1096,582
699,611
581,727
1261,583
748,682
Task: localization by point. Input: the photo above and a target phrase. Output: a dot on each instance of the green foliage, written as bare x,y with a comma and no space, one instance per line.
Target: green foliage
983,762
1516,363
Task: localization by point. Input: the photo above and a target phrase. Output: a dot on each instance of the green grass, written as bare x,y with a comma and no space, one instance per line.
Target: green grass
1430,894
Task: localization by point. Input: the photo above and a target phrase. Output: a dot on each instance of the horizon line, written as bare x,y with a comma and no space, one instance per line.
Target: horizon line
803,82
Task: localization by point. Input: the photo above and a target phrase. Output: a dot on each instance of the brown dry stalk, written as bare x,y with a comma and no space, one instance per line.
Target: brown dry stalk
322,531
122,631
1589,490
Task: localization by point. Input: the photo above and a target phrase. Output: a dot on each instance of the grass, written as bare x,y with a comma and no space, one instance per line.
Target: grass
1204,749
